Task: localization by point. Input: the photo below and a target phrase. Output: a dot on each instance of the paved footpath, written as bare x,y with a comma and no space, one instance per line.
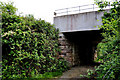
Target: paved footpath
74,73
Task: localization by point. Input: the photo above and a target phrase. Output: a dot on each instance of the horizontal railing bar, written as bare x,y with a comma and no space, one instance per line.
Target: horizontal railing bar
62,12
86,8
62,9
74,7
74,10
80,6
79,9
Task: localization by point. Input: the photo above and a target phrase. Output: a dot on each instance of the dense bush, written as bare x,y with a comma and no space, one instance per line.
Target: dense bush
30,46
109,48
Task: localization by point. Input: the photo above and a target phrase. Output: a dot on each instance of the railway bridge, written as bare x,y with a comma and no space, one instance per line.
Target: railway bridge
79,33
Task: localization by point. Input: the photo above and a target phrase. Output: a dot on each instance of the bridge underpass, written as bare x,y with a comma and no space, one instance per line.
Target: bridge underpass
79,36
84,45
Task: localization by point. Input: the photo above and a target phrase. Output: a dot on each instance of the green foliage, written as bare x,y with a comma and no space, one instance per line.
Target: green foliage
109,48
102,4
30,46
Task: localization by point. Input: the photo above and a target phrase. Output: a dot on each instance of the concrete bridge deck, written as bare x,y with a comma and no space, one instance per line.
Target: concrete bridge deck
79,18
79,22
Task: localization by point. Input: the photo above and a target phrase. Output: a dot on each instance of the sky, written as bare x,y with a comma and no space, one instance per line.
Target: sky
44,9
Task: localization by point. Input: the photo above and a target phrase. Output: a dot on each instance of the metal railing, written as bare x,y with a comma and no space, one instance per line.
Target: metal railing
77,9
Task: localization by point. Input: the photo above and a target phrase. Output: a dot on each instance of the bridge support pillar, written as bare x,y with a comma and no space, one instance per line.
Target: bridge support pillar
66,47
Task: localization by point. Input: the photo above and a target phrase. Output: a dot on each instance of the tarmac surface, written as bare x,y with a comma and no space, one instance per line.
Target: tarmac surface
75,72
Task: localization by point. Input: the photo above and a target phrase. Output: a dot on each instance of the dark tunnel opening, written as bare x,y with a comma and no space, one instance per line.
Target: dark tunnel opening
85,43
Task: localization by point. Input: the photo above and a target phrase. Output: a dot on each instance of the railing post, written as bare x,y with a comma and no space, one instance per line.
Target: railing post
109,6
79,9
67,10
55,13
